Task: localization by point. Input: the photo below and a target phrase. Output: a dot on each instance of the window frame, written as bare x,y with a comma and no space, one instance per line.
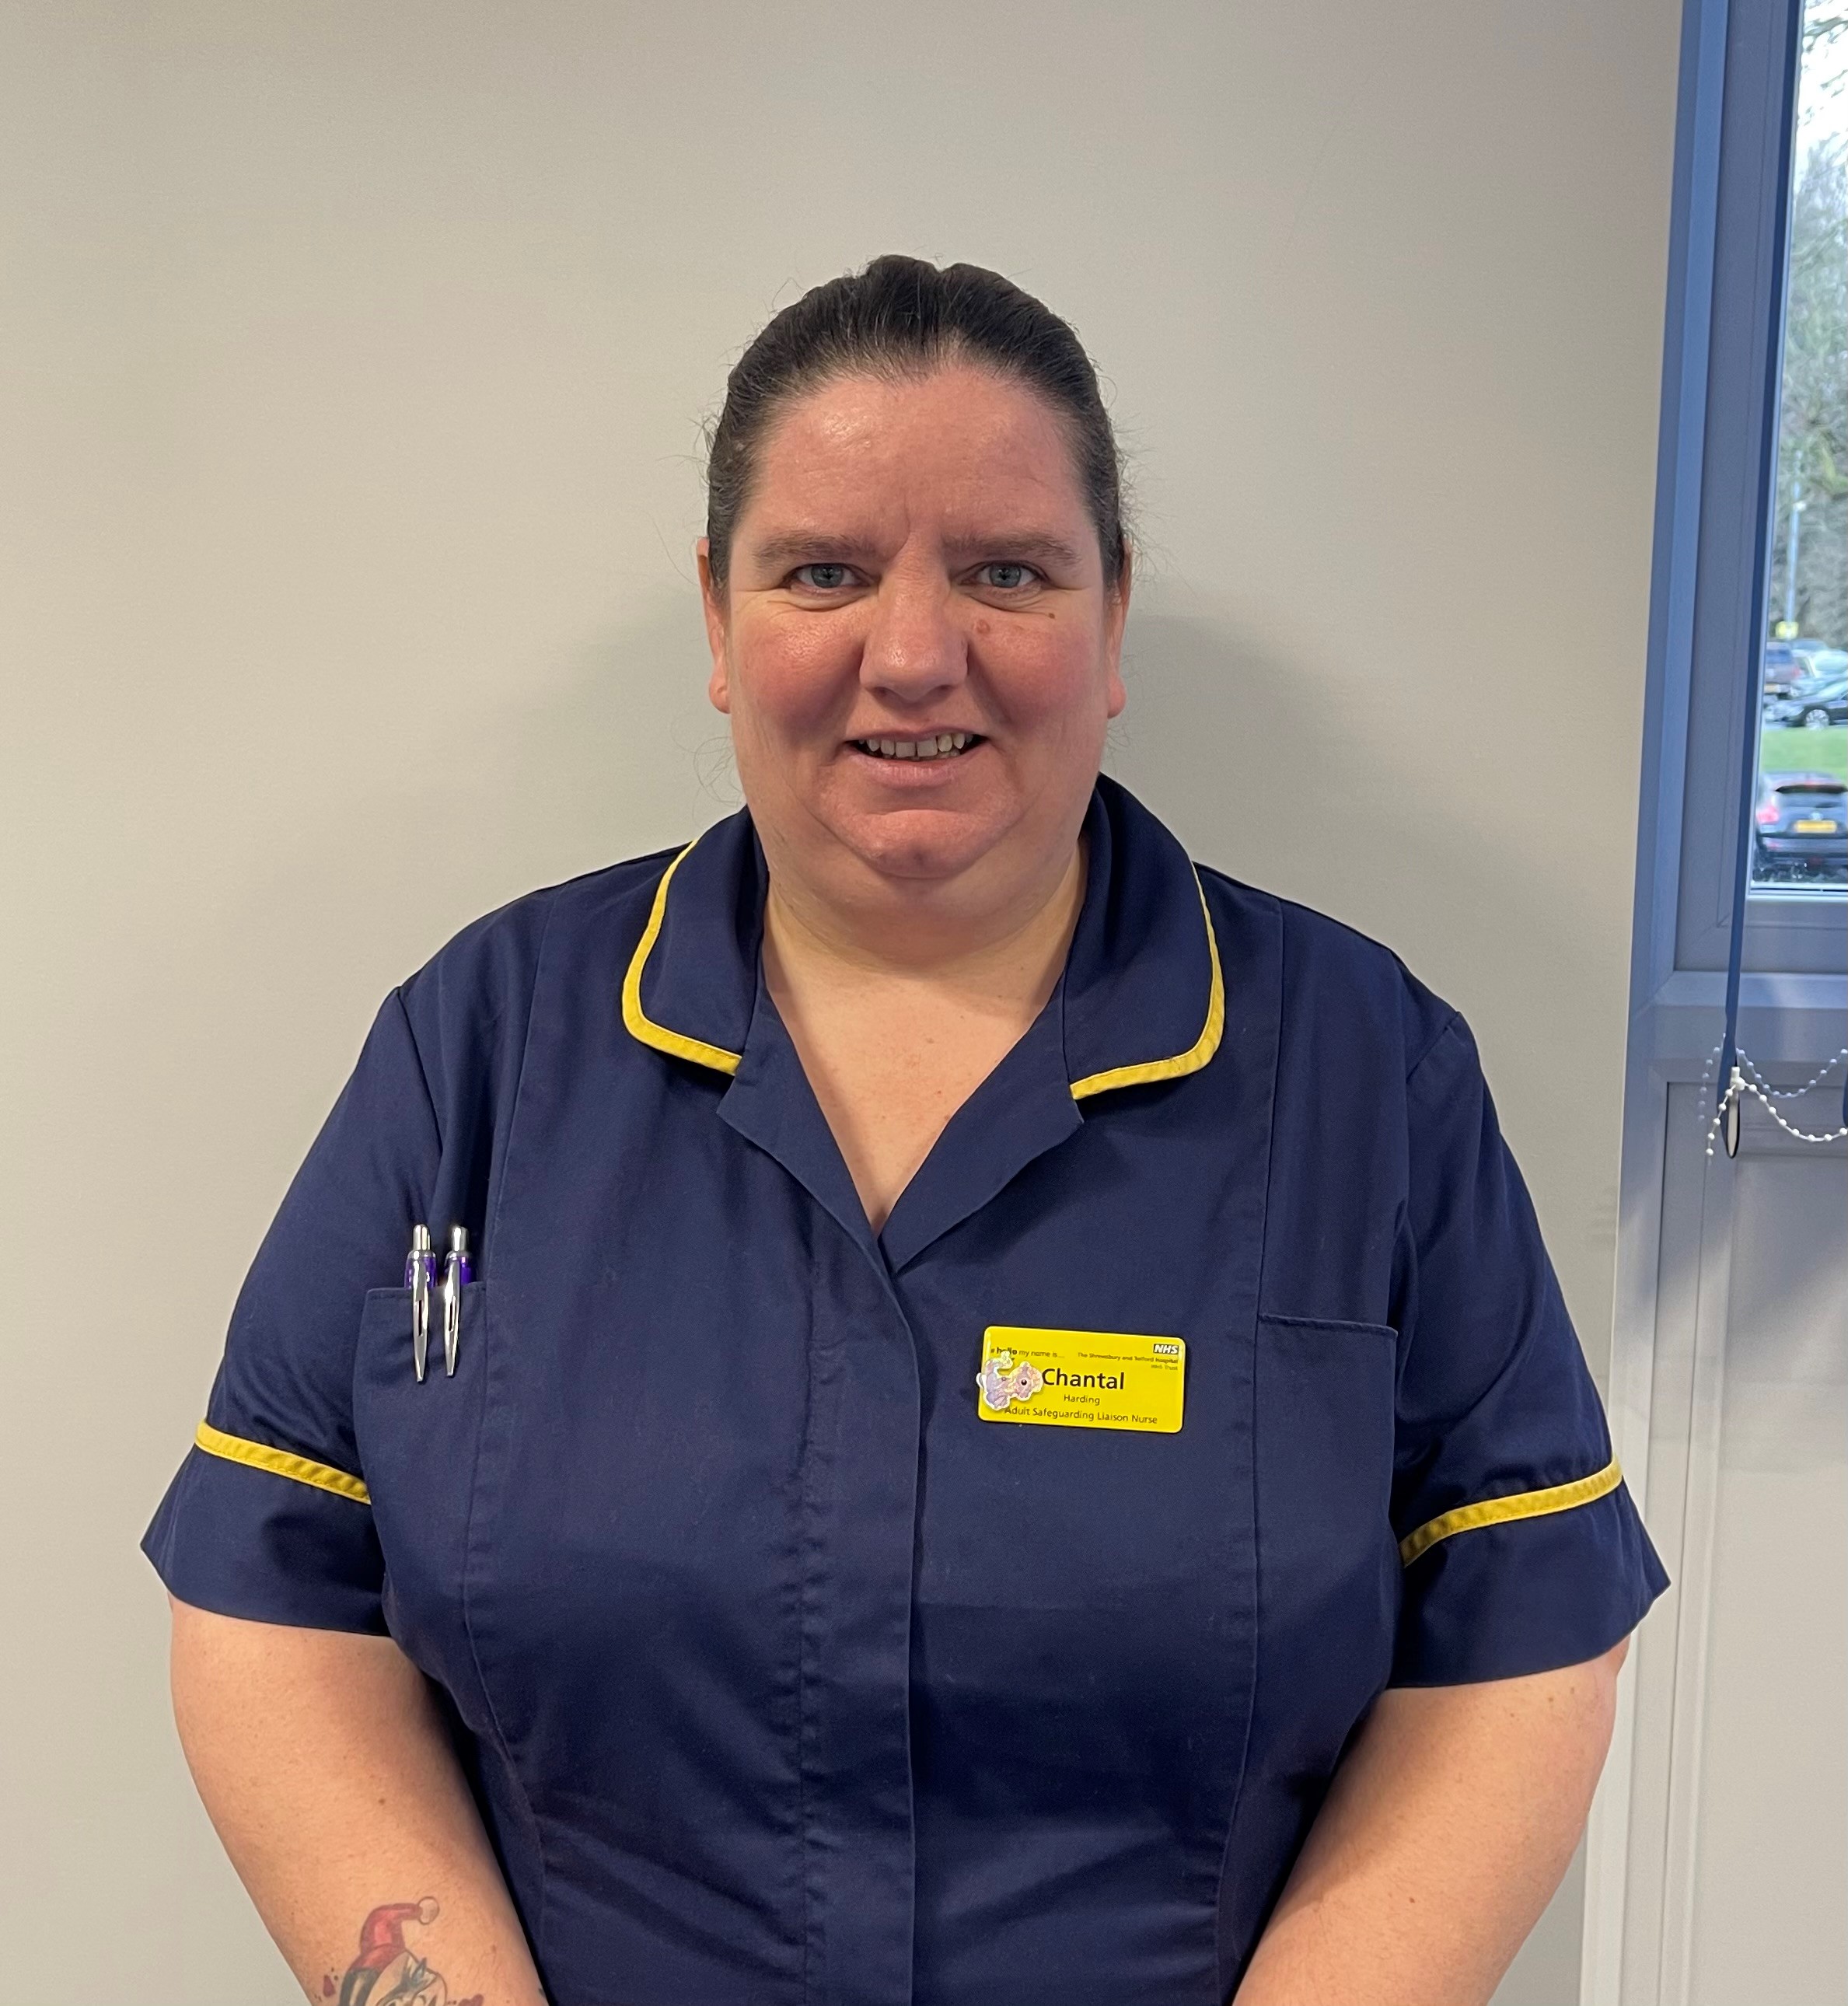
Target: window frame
1718,464
1723,343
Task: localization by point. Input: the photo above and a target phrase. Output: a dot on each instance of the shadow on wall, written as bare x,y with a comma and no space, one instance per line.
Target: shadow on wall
1273,774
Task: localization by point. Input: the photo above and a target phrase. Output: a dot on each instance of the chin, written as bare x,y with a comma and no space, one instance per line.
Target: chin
920,845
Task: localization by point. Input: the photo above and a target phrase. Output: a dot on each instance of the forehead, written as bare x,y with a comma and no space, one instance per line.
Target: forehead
955,443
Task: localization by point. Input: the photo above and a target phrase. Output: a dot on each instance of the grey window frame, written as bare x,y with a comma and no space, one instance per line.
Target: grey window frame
1723,338
1718,446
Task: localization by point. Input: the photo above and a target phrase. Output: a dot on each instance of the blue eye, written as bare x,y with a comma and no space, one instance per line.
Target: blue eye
821,577
1006,576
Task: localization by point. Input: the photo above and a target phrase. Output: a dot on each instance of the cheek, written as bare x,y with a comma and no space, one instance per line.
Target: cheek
794,676
1043,670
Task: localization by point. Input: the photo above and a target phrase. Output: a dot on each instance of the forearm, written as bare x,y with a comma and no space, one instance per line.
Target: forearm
1446,1829
325,1768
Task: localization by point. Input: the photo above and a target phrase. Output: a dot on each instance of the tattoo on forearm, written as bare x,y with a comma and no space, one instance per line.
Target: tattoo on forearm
387,1971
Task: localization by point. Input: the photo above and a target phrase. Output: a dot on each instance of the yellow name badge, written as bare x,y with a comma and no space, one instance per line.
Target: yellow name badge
1081,1379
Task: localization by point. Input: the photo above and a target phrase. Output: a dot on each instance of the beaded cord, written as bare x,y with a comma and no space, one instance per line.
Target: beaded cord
1746,1079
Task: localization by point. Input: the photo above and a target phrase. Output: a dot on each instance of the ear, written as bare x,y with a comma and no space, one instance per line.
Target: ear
718,687
1116,617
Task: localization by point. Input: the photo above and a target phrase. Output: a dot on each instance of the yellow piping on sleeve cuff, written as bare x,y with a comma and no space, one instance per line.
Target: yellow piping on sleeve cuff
1498,1511
279,1462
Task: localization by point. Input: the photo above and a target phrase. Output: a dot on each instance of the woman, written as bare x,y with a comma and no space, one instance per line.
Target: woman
1013,1438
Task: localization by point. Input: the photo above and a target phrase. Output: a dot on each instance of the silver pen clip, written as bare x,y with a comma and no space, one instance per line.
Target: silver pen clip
420,1271
458,1273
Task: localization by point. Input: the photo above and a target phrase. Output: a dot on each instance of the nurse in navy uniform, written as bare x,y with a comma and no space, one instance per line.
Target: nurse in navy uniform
1013,1440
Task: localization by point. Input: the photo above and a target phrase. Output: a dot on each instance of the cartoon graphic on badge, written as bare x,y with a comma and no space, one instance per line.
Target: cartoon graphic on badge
1003,1382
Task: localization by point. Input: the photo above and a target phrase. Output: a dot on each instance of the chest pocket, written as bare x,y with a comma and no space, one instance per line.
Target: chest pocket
418,1442
1327,1561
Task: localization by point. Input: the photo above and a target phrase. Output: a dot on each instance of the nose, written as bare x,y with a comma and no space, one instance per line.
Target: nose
913,649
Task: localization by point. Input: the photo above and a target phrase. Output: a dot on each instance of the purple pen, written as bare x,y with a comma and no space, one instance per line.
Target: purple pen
420,1275
459,1271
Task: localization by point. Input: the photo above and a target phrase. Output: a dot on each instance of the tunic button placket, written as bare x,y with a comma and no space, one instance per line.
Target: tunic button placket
860,1498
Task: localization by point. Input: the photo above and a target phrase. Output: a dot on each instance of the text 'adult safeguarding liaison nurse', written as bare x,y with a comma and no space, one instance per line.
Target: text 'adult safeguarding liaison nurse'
1013,1441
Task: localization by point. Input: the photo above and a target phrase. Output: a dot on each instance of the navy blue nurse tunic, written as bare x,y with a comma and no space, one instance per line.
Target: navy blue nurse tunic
779,1676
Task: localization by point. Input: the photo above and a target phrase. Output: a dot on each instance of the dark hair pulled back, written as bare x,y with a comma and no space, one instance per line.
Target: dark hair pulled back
902,317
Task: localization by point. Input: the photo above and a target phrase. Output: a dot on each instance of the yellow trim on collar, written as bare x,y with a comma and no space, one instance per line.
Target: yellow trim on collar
1196,1054
279,1462
640,1024
1497,1511
677,1045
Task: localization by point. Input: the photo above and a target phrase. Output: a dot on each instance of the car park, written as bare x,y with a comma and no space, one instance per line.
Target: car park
1801,827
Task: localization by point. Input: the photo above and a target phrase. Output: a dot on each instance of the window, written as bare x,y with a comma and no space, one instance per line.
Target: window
1759,169
1799,836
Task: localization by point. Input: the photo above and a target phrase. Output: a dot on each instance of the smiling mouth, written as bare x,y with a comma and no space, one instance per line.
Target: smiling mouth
939,745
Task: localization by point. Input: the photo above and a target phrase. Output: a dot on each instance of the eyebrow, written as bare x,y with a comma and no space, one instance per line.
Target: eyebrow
1027,544
820,547
810,547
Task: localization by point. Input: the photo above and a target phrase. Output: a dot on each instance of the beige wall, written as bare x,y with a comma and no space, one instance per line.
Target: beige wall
352,360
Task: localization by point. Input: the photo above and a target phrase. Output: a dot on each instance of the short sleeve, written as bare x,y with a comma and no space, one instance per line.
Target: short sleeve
1521,1549
268,1516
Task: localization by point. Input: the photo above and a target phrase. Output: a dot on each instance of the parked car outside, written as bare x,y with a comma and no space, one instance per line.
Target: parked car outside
1801,826
1818,658
1790,665
1815,702
1783,666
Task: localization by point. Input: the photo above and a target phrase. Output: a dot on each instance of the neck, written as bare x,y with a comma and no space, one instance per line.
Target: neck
1008,955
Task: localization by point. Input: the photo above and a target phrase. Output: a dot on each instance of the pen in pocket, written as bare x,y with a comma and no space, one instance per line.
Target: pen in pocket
419,1273
458,1271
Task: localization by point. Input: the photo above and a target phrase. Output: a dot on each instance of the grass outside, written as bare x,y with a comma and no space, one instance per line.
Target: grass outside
1783,751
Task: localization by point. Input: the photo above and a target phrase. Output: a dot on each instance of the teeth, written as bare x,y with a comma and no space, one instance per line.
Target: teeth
938,747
